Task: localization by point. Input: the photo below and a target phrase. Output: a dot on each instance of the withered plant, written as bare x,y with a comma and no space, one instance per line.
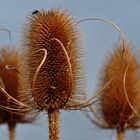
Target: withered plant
52,70
9,93
118,106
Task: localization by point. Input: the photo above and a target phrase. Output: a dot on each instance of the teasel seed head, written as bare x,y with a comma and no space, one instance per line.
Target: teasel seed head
120,100
53,32
9,85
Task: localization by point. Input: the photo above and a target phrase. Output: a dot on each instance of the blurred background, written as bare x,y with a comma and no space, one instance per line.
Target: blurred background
97,39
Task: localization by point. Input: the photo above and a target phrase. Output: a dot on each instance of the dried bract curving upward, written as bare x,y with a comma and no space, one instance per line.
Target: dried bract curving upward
58,77
120,100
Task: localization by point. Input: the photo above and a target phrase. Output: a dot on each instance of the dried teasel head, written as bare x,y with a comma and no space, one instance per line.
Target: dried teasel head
120,99
9,85
51,51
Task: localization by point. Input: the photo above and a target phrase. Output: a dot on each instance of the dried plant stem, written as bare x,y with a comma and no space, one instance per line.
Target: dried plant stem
120,134
12,131
54,123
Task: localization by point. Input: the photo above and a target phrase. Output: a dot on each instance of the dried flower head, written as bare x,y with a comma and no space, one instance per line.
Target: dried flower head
120,99
118,105
51,71
9,84
57,79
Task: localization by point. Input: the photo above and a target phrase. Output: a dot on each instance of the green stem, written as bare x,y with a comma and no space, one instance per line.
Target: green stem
54,124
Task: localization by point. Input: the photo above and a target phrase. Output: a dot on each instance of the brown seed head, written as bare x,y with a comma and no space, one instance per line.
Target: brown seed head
9,60
114,106
58,77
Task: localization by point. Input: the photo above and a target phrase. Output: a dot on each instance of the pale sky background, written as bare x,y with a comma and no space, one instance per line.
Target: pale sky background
98,39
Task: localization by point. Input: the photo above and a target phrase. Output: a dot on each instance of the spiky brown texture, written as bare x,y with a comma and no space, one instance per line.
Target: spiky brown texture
54,85
54,122
115,108
9,60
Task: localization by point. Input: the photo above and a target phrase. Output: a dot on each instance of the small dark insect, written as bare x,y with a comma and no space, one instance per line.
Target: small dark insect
35,12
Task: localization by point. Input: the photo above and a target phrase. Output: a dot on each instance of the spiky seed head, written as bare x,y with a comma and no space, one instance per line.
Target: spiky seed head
57,80
114,106
9,60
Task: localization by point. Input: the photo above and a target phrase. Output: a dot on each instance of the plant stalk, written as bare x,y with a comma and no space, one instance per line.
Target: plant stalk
12,130
120,134
54,125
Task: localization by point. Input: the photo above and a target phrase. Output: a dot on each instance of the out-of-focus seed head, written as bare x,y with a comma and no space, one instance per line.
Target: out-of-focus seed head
115,107
57,79
9,60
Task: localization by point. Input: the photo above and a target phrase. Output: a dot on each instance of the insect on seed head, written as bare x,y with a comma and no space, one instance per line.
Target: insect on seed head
57,79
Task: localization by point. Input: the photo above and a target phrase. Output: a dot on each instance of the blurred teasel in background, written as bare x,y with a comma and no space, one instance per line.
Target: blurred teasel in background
118,107
11,102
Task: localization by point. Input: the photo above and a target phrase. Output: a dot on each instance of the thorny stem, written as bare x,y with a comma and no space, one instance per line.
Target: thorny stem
12,130
54,125
112,24
120,134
